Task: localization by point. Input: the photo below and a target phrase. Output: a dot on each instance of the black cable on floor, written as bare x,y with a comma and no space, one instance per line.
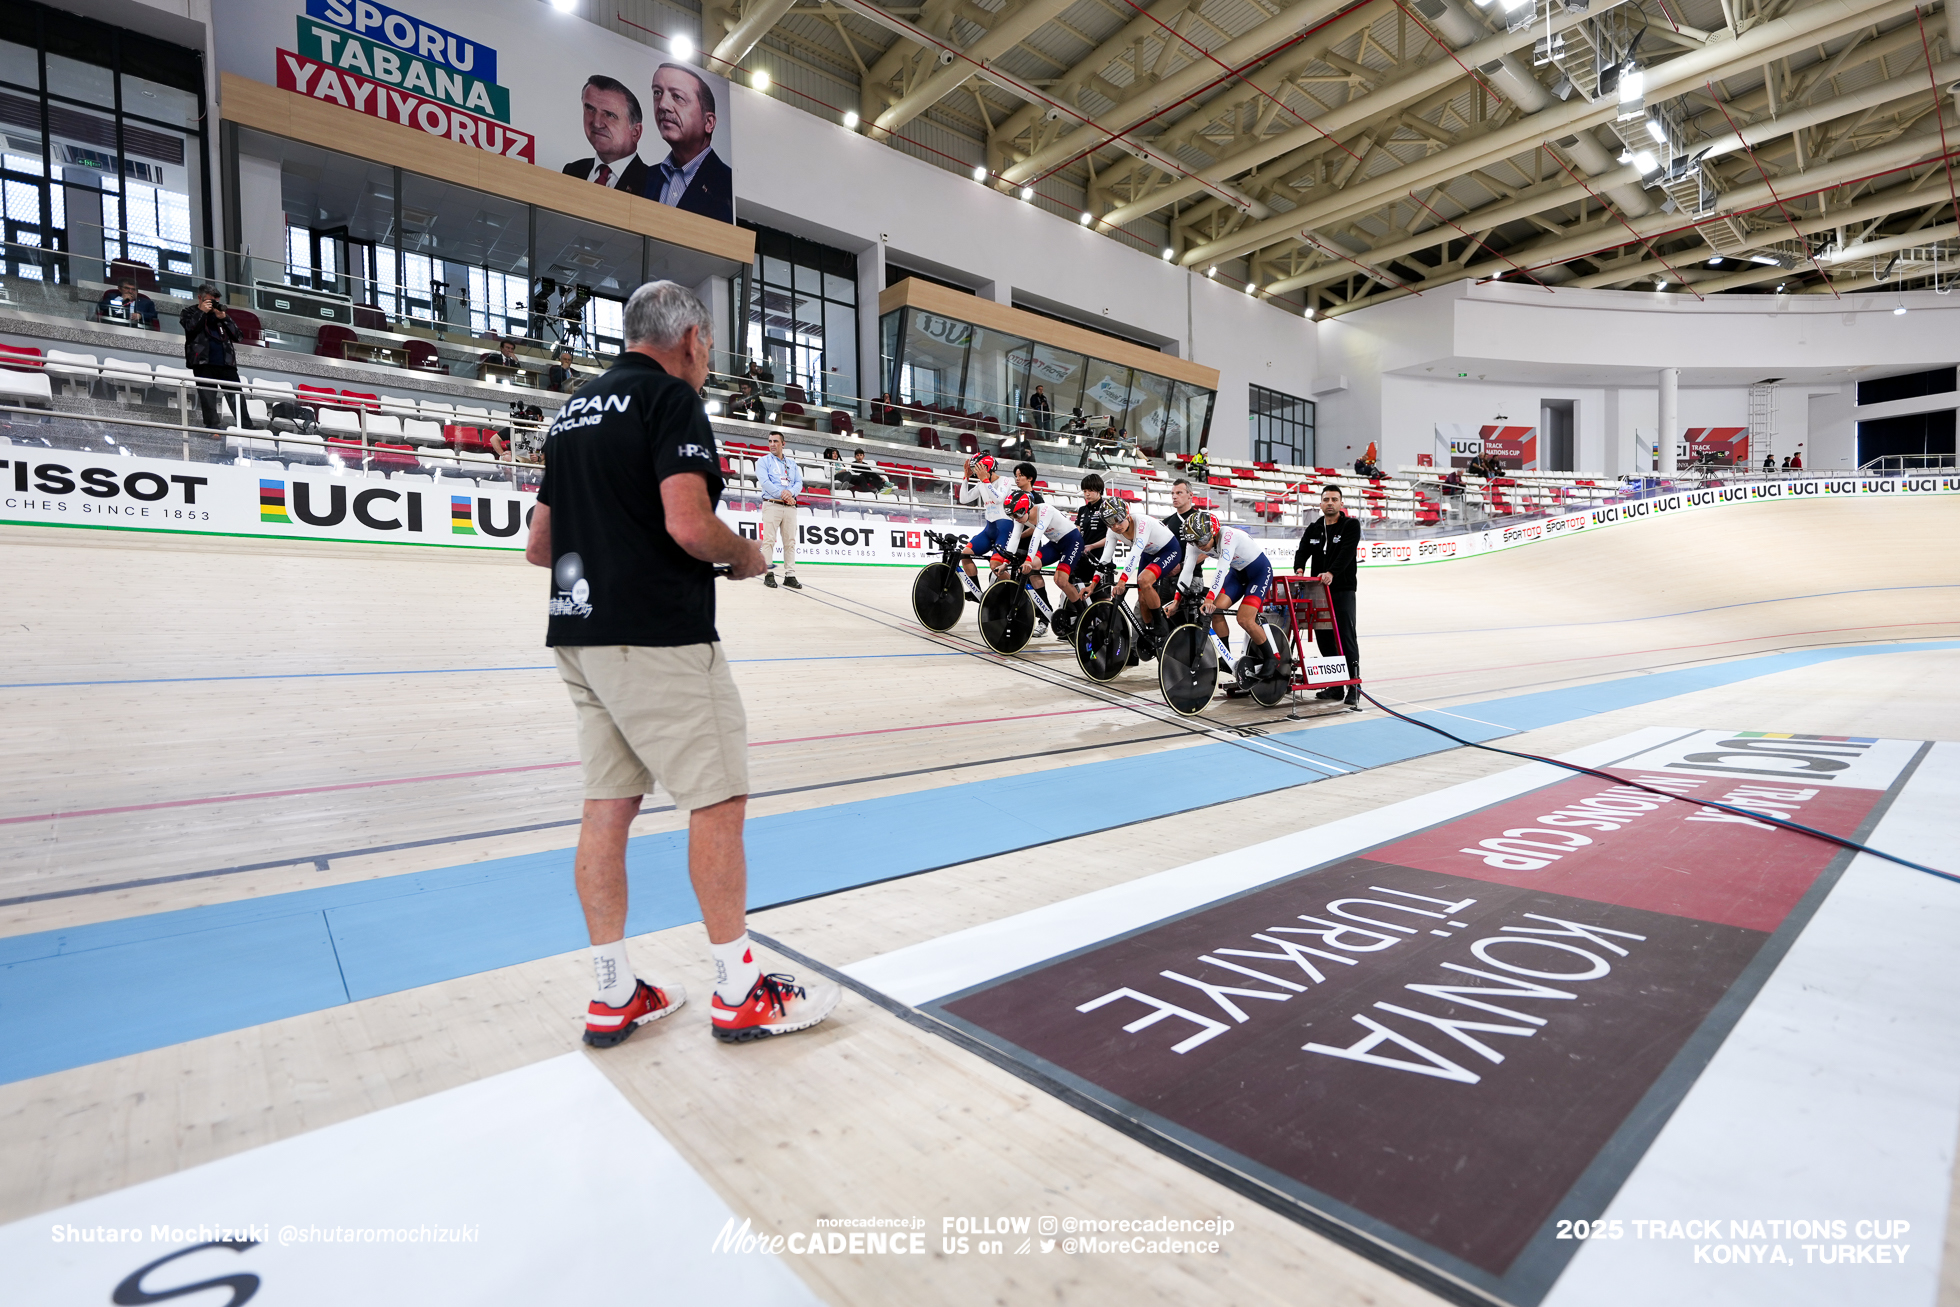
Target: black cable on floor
1783,822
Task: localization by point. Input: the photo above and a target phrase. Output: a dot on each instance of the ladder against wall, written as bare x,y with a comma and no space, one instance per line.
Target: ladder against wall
1762,423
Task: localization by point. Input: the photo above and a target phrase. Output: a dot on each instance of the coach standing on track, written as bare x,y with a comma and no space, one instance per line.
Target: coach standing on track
626,522
781,479
1328,548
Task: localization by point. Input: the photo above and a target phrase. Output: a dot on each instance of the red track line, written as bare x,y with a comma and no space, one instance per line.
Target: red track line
1666,648
498,771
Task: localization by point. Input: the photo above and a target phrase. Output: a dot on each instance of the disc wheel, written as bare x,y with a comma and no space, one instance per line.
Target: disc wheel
937,597
1103,642
1006,617
1269,690
1187,670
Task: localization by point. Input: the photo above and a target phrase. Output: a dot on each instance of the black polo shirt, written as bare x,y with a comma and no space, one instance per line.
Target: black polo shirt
1325,548
617,577
1092,520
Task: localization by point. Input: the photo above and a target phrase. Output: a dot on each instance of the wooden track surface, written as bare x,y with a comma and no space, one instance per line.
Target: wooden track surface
868,1115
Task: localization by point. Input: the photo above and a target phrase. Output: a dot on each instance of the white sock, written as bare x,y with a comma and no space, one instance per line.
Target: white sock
735,969
612,973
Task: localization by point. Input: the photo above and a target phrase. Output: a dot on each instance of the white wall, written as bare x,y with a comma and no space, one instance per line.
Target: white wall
1465,354
809,176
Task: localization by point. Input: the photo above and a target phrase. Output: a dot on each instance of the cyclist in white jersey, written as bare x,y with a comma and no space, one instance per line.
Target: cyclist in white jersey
980,486
1053,540
1155,552
1245,576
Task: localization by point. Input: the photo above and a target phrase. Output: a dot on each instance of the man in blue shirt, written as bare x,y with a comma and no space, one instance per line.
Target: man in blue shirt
781,480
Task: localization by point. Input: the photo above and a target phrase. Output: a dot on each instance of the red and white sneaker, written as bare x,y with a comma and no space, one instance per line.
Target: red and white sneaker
776,1005
606,1025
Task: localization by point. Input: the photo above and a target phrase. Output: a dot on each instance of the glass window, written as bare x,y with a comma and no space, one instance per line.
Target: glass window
801,315
1106,392
1150,400
21,65
169,104
1060,372
578,262
992,388
934,362
90,83
1282,427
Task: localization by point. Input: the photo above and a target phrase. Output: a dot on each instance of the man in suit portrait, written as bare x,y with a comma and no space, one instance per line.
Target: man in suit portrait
612,127
693,176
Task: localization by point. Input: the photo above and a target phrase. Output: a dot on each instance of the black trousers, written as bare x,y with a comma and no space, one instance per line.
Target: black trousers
1343,619
212,399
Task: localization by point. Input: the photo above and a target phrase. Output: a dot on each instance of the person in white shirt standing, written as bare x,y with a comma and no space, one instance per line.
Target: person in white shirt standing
781,480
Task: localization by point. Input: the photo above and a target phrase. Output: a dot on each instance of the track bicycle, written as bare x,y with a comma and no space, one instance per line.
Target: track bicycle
1187,671
942,588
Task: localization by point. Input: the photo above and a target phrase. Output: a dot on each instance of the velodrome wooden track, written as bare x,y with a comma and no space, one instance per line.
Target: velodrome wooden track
400,700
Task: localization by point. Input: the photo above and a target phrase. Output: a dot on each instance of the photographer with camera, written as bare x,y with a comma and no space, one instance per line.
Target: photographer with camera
210,337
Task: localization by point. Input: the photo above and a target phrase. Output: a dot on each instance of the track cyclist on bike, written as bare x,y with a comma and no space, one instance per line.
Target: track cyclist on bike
980,486
1059,545
1155,552
1245,576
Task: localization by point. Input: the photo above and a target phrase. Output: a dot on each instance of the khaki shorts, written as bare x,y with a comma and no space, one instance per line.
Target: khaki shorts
645,713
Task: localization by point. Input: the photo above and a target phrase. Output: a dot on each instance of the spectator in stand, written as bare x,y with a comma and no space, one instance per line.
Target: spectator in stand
1076,423
209,340
1198,462
863,477
1453,482
1366,467
762,375
1044,412
1328,549
559,377
748,405
1786,463
1769,462
128,305
781,480
506,355
1796,461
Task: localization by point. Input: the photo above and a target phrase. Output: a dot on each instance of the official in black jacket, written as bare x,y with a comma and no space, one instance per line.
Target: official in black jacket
1327,549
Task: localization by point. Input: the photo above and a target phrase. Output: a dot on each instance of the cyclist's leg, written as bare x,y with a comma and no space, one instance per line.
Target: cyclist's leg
1256,580
1068,551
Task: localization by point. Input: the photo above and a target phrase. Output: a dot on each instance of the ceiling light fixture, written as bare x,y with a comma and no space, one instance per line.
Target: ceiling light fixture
1899,312
851,119
1655,130
564,6
1212,271
979,172
1646,162
1086,218
680,46
760,79
1715,262
1169,254
1027,192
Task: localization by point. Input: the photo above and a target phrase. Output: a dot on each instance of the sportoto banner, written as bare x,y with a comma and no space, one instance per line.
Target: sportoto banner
61,487
599,108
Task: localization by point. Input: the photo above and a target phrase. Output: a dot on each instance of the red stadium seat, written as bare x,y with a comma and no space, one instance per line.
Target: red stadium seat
355,399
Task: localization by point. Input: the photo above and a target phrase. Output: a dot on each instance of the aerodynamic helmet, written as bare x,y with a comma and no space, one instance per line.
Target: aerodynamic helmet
1019,502
1203,529
985,463
1115,511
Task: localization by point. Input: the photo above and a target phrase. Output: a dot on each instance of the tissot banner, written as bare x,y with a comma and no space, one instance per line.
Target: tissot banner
512,77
